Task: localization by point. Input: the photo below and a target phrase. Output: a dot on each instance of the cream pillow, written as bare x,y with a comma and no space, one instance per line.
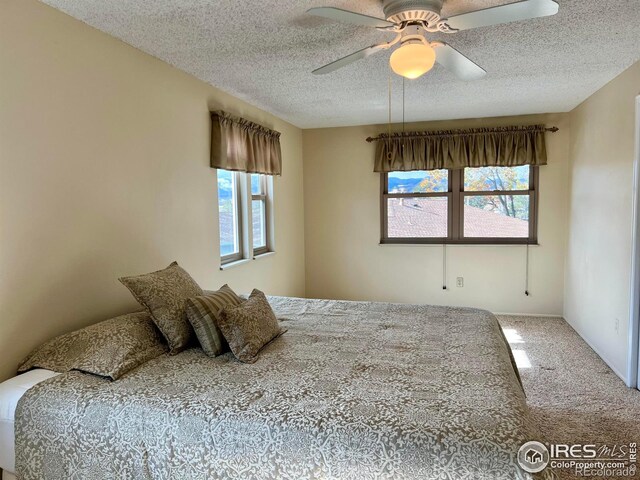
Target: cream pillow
164,293
249,326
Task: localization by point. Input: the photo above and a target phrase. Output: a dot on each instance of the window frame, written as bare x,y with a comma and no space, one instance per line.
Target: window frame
455,214
264,198
239,255
244,198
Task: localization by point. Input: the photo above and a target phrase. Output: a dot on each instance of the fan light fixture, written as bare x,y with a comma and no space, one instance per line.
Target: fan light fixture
411,19
413,59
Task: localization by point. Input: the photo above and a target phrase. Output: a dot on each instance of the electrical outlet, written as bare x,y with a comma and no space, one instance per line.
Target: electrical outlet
460,282
617,325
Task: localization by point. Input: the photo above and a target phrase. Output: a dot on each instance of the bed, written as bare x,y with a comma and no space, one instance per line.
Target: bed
10,393
353,390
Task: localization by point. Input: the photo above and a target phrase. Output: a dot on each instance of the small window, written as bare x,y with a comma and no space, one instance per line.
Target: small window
471,205
419,182
418,217
497,202
491,179
229,214
259,206
244,209
496,216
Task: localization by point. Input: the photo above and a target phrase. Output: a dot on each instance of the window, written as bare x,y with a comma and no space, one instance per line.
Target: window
259,213
230,216
472,205
243,196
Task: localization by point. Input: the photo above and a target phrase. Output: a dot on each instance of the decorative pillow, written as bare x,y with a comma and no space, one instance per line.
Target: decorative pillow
249,326
165,294
110,348
203,314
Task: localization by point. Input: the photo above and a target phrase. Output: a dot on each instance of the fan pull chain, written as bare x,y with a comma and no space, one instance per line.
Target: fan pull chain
403,110
389,156
444,266
526,275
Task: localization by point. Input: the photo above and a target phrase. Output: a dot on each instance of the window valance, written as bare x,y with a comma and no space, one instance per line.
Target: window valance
240,145
454,149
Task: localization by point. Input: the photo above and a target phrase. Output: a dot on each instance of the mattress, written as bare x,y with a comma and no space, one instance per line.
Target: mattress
10,393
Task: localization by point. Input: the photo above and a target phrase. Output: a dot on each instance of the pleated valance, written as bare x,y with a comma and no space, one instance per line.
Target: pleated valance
455,149
240,145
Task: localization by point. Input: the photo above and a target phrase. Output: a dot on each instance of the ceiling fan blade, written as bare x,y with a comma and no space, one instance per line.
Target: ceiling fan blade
344,61
346,16
457,63
511,12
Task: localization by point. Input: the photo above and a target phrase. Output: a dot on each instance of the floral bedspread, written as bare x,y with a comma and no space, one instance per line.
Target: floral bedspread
353,390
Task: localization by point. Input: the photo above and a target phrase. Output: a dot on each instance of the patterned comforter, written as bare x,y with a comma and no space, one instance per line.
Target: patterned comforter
353,390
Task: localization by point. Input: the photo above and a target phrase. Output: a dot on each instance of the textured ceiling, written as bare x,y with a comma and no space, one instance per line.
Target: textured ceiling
264,52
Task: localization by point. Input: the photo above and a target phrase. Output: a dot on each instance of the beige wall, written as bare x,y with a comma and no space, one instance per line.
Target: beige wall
598,265
103,173
342,232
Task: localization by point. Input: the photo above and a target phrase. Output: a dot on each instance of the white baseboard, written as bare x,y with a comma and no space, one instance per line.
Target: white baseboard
545,315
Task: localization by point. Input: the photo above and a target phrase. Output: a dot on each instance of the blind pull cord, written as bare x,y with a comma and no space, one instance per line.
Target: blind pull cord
526,275
444,266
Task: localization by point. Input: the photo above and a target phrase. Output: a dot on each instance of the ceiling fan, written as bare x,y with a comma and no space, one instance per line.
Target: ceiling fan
411,19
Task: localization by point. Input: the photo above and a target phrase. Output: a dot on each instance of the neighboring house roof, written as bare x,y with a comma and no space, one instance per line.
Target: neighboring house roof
427,217
226,226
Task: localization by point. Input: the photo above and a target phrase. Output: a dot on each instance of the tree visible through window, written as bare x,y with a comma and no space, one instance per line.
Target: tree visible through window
500,183
473,205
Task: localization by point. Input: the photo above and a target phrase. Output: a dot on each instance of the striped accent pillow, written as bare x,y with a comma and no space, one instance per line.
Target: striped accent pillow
203,313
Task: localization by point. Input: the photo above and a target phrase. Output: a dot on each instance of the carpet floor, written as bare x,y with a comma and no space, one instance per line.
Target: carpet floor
573,395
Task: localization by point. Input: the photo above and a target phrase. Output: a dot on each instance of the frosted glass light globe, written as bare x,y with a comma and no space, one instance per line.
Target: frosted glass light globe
413,60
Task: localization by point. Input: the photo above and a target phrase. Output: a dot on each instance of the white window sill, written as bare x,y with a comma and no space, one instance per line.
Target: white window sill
237,263
457,244
264,255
